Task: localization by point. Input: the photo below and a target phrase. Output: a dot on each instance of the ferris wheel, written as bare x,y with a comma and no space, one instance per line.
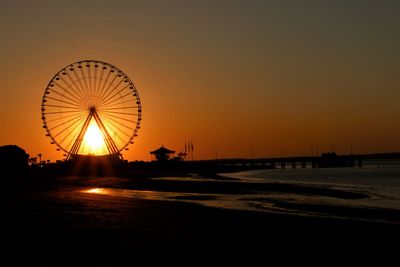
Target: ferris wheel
91,107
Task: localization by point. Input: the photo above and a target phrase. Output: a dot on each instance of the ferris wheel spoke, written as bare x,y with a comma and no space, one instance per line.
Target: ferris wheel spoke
66,128
121,113
71,134
84,78
112,130
121,97
81,86
99,83
121,118
121,142
65,96
79,127
70,86
112,125
80,76
62,112
76,118
89,80
61,118
110,91
107,99
76,85
108,87
72,123
105,81
106,109
119,123
72,139
108,84
65,90
95,79
60,100
66,107
111,104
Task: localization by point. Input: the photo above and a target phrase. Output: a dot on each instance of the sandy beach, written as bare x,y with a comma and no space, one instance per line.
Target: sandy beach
77,219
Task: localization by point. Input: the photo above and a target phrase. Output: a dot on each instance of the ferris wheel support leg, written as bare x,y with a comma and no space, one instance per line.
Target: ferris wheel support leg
111,146
78,141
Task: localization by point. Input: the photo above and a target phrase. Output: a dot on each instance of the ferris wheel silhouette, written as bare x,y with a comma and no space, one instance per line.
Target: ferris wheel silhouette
91,103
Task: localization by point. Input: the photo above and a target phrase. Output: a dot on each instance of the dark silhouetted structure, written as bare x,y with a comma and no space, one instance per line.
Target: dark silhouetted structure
87,165
162,154
13,160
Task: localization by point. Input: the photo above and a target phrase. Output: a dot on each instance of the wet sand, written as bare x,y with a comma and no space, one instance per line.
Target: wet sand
55,221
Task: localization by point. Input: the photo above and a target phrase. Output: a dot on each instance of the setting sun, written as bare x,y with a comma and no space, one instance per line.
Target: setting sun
93,141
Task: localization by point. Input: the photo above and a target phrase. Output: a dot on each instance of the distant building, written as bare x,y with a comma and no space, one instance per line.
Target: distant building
162,154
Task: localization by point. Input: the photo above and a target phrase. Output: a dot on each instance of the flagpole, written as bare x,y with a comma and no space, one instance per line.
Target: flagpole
191,146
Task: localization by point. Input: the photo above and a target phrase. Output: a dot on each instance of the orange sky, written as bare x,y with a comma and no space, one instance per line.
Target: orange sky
228,75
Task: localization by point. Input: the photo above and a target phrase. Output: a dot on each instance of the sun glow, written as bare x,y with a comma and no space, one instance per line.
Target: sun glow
93,141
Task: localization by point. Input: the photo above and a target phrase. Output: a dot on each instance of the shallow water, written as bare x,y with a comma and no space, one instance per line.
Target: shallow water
382,185
379,179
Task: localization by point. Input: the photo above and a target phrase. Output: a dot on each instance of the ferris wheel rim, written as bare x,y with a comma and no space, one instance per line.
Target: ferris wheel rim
112,67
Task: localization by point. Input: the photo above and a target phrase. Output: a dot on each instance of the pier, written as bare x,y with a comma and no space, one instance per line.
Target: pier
327,160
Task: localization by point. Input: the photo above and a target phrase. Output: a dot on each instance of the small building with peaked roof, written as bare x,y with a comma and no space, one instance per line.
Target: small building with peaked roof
162,154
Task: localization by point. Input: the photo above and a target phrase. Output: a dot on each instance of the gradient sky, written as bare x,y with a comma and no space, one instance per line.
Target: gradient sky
231,76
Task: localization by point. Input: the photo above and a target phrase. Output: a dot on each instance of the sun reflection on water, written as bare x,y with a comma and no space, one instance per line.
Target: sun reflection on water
213,200
101,191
